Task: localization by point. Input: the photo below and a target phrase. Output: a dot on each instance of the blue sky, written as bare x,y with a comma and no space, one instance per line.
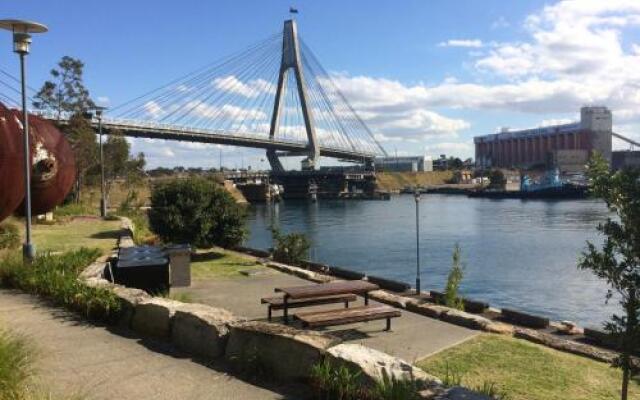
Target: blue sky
425,75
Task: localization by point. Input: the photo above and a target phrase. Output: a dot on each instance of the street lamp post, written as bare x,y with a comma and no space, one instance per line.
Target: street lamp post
21,43
103,197
417,198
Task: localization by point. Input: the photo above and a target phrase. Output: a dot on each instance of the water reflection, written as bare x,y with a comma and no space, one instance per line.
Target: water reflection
520,254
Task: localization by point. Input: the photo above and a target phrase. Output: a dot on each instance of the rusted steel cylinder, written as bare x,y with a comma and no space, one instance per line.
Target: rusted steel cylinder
53,166
11,163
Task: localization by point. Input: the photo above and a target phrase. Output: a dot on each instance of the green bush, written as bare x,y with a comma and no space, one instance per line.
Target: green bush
9,236
451,296
291,248
55,277
196,211
15,366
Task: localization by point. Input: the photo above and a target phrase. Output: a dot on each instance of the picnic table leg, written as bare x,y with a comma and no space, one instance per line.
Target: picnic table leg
388,324
346,304
366,298
286,309
269,308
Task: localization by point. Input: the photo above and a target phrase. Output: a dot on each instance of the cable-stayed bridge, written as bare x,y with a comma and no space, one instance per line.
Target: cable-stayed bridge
274,95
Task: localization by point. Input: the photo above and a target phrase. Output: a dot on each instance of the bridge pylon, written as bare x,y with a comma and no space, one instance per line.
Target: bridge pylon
291,61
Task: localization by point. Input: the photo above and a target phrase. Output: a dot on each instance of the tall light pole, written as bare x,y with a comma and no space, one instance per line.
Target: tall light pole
21,44
103,195
417,199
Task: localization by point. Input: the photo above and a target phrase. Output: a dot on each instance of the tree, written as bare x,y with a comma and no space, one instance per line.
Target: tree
118,162
196,211
66,91
84,146
497,178
618,261
291,248
451,296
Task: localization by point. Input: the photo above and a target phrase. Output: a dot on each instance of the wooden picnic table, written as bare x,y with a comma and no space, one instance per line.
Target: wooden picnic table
325,289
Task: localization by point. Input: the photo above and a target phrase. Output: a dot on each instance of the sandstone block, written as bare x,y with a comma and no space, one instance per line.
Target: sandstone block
201,330
153,316
285,352
465,319
374,365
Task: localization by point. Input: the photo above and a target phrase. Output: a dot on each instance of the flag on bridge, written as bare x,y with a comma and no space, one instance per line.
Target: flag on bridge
293,10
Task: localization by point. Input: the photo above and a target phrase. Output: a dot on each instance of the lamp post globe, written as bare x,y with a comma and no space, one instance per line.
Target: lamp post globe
22,31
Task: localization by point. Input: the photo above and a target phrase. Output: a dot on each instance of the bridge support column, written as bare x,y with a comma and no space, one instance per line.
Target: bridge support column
291,61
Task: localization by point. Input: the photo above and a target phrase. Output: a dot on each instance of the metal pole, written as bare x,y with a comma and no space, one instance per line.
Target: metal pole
103,199
28,249
417,197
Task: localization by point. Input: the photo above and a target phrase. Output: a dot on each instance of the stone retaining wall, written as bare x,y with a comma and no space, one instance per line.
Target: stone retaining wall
287,353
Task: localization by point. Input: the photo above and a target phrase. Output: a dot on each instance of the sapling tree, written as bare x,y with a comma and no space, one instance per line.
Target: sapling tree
618,261
451,295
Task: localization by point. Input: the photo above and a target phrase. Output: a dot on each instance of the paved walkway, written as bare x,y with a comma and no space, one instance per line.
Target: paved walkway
74,357
412,337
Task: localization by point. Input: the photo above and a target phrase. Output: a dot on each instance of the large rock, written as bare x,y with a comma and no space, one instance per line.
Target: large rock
426,309
201,330
465,319
569,346
284,352
153,316
129,299
374,365
95,270
388,298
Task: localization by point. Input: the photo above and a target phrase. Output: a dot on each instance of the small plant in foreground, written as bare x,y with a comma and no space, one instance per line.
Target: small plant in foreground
9,236
452,298
392,388
56,278
336,383
452,376
492,390
290,248
15,365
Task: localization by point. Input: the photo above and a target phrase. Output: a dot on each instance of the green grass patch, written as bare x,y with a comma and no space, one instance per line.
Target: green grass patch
55,277
220,263
76,233
16,357
523,370
74,209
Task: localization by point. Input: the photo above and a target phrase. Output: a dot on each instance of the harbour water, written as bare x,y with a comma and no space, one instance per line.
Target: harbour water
517,254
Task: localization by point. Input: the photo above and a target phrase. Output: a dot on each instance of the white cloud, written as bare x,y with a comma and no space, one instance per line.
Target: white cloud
473,43
250,89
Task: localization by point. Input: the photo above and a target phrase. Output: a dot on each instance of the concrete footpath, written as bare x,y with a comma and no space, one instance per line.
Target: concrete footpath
95,362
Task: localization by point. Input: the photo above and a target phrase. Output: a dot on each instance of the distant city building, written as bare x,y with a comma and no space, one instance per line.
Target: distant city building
404,164
625,158
565,146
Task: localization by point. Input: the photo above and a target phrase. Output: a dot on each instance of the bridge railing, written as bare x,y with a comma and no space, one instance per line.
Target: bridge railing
174,128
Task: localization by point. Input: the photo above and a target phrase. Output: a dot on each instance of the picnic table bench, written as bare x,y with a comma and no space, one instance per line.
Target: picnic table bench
295,293
277,303
347,316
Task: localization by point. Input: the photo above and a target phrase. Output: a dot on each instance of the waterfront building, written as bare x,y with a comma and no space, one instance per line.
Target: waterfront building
404,164
566,146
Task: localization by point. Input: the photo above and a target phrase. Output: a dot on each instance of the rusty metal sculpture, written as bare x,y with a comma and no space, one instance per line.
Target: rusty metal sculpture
11,182
53,168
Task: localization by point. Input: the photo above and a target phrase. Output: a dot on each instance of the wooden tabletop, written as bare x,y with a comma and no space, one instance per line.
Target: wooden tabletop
328,289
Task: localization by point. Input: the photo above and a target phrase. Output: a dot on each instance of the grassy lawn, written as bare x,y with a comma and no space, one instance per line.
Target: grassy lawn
524,370
220,263
78,232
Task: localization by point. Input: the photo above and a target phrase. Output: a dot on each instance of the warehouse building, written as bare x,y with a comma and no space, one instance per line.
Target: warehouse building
404,164
566,146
